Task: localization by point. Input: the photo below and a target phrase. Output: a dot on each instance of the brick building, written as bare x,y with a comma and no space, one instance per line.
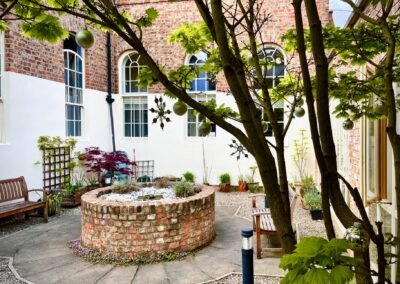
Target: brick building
60,90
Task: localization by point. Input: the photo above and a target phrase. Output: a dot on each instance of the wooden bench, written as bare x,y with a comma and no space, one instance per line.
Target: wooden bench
16,190
263,223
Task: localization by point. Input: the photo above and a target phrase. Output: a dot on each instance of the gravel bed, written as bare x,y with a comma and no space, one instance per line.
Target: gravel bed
6,275
302,217
237,278
167,194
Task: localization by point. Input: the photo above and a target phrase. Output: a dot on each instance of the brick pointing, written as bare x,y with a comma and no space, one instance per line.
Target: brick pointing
43,60
147,228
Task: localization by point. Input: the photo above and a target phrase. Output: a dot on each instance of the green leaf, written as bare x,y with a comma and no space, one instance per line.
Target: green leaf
317,276
341,274
45,27
148,19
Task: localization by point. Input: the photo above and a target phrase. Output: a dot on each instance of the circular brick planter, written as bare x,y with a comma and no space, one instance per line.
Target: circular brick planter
130,230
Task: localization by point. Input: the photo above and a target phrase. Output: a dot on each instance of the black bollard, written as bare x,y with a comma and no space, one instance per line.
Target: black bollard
247,256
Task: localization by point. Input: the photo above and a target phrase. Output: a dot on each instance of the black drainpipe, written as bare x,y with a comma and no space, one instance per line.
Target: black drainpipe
109,97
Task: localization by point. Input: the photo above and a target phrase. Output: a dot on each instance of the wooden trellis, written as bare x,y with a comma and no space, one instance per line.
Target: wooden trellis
56,167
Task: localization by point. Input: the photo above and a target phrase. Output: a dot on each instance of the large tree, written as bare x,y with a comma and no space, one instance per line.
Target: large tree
231,33
374,41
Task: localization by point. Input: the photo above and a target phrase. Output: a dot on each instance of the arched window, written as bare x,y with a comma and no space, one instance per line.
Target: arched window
134,97
203,82
73,79
274,65
273,61
132,65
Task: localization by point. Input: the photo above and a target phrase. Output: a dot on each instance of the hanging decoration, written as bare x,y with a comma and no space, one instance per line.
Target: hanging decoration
84,38
348,124
180,108
299,111
161,111
239,149
204,128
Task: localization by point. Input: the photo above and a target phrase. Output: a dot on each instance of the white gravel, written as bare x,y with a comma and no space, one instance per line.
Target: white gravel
167,193
236,278
6,275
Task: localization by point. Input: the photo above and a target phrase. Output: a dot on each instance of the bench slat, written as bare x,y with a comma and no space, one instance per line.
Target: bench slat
11,189
19,207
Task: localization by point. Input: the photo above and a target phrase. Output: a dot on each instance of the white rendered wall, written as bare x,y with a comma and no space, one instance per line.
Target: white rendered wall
35,107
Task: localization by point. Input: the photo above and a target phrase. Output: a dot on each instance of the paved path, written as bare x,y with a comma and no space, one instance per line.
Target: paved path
41,256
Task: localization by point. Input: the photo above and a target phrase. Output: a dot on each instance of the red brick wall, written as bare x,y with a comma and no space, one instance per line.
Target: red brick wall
147,228
43,60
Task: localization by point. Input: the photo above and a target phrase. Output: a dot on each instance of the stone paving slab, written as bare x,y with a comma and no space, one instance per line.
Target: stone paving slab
41,256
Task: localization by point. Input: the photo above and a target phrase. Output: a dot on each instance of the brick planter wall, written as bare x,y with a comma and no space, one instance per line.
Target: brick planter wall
147,228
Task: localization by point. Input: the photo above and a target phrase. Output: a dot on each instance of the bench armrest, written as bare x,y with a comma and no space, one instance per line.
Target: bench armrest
41,190
254,195
45,193
261,213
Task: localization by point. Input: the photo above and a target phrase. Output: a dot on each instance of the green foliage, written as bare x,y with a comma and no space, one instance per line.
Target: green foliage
54,200
300,152
70,189
316,260
225,178
125,187
192,37
221,110
147,20
184,189
313,200
189,176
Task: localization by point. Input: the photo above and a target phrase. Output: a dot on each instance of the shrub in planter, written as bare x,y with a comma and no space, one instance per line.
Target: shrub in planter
313,201
71,195
53,202
225,182
184,189
125,187
189,176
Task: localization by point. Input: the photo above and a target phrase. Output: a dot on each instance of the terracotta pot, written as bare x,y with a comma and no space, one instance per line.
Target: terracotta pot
243,186
225,187
72,200
303,204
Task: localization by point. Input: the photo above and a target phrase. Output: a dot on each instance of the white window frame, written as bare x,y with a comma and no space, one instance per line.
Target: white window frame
200,55
203,97
2,96
141,100
126,58
75,101
273,77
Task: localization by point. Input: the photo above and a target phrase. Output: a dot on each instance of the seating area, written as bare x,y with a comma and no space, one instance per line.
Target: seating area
14,199
263,223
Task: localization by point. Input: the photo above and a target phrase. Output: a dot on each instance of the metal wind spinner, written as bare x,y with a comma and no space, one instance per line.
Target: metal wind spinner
161,111
239,150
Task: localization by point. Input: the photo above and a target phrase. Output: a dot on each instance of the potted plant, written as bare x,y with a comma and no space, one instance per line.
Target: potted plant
53,202
313,201
252,185
242,183
307,184
189,176
71,196
225,182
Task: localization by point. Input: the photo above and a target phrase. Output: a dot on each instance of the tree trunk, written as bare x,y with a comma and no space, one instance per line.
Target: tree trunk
301,49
